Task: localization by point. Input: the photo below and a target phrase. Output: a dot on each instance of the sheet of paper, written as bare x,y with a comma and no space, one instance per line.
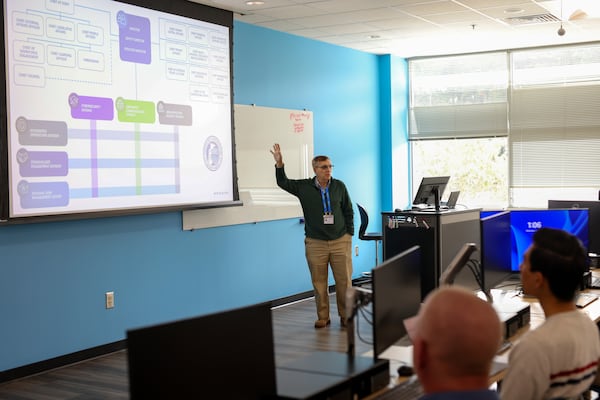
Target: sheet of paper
398,353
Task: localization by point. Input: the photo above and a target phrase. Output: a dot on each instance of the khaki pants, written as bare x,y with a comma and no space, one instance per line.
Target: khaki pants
319,255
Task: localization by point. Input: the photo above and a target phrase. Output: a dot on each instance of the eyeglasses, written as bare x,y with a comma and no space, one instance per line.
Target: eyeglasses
325,167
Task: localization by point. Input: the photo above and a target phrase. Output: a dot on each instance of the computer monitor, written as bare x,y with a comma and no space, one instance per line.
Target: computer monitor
495,249
525,222
430,191
593,207
487,213
200,357
460,260
396,296
453,199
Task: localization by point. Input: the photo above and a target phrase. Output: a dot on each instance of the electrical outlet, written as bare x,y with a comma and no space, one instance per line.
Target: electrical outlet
109,299
356,251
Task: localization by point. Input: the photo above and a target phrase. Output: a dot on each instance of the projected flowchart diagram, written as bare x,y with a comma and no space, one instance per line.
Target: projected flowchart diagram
109,104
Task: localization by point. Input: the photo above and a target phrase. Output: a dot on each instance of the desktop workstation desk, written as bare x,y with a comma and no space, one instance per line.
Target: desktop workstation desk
440,234
331,375
504,299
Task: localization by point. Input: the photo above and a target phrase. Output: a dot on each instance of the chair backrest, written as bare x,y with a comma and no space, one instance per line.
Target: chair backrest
364,221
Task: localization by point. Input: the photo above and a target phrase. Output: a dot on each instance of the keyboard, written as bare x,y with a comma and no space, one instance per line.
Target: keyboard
583,299
505,345
409,390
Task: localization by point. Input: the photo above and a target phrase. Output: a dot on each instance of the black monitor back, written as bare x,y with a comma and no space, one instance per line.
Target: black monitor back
495,249
223,355
593,207
429,187
396,296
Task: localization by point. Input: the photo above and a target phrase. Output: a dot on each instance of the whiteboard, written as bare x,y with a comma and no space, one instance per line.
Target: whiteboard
256,130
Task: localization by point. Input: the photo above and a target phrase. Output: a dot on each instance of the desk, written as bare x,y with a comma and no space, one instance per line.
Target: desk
331,375
537,313
293,384
403,354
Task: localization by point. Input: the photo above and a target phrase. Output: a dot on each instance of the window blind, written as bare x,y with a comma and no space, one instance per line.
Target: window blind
554,114
459,96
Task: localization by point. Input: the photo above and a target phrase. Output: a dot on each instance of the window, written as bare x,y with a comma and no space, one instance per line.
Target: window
477,167
527,119
555,124
459,123
459,96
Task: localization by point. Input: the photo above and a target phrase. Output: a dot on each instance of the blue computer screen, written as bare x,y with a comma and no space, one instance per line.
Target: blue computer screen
524,223
495,249
488,213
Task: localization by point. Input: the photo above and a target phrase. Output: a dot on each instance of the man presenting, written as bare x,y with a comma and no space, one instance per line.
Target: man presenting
328,227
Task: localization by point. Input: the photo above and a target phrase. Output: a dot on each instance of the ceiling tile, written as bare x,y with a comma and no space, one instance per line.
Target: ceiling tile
410,28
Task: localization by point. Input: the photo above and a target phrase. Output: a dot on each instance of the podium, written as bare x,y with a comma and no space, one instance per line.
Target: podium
440,234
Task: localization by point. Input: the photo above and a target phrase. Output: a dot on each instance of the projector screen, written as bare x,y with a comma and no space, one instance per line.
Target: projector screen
114,108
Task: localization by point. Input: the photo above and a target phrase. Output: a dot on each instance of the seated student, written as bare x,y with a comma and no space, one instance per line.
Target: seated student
559,359
455,339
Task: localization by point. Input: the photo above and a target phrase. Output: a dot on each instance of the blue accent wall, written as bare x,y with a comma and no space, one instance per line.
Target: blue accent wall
53,275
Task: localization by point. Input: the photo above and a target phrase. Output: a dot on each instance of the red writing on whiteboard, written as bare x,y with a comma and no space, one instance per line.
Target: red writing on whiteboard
298,119
299,116
299,127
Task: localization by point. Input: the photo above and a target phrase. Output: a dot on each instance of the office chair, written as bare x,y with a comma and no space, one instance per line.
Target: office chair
362,231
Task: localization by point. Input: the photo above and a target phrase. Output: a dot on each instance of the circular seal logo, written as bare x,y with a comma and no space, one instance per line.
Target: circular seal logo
22,156
213,153
21,125
23,188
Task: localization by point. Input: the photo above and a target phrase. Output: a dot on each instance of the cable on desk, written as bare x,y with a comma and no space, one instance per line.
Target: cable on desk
368,317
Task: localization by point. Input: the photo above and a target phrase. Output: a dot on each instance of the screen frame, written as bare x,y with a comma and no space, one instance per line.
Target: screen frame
426,193
396,296
462,257
495,266
193,357
593,207
520,242
182,8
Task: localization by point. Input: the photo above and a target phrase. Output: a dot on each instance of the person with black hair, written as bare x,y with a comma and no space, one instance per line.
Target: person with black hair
559,359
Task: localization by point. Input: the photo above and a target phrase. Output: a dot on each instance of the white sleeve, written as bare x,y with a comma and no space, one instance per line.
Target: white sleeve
527,376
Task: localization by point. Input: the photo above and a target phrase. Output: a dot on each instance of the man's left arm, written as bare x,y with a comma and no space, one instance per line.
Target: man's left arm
348,211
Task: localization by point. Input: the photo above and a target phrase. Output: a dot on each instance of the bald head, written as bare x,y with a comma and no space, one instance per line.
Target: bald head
457,336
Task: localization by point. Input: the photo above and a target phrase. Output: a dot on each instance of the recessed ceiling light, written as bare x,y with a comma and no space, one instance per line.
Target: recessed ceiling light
513,10
255,3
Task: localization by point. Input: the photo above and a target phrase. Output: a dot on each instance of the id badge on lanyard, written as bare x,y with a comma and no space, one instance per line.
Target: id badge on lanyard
327,214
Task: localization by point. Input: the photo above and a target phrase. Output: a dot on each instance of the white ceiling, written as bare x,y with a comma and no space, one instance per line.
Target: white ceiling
410,28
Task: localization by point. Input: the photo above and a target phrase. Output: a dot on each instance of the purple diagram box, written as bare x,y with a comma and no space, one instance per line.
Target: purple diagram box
42,163
134,38
41,133
174,114
43,194
91,108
